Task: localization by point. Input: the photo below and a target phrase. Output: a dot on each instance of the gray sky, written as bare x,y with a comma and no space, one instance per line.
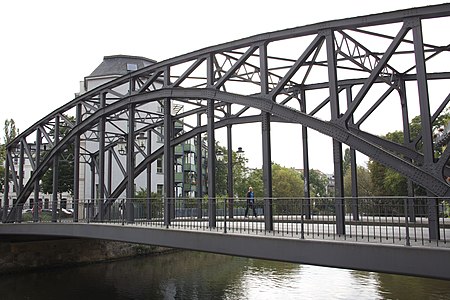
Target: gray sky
48,46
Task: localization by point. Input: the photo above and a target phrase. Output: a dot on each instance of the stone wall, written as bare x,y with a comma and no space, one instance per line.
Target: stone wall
16,256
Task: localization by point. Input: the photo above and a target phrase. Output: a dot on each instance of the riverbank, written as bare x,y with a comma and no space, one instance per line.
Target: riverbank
32,254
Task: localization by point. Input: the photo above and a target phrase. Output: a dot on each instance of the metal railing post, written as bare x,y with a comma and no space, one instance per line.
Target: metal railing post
225,215
122,205
302,226
405,202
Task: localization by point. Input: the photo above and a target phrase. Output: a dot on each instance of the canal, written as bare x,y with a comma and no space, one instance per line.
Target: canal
196,275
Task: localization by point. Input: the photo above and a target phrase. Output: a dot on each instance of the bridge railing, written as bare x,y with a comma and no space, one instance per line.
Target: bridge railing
395,220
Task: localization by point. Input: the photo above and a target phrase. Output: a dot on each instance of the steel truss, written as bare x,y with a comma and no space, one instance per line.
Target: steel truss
357,63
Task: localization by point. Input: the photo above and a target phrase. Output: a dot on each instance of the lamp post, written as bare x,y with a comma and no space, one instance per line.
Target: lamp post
220,158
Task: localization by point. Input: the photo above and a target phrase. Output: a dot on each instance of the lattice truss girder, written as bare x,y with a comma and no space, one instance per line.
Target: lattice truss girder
355,66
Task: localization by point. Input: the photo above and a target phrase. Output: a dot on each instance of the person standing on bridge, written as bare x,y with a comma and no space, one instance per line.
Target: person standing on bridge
250,202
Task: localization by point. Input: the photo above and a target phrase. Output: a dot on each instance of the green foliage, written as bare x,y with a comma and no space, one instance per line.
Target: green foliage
387,182
65,167
318,183
394,183
347,160
65,179
240,180
156,202
365,186
10,132
255,180
286,182
142,194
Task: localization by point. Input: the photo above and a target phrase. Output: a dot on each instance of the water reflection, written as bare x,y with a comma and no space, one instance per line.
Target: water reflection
195,275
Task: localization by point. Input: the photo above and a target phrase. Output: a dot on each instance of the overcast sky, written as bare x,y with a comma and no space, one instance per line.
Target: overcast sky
48,46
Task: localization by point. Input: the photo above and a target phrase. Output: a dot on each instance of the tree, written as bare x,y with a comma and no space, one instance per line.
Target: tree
365,187
255,180
318,183
65,178
65,167
347,160
286,182
239,173
388,182
10,132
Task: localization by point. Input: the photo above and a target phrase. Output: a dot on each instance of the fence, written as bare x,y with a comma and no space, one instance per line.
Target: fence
396,220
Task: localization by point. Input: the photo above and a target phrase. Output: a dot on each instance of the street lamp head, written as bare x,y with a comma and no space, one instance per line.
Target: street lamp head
141,140
219,155
122,146
240,153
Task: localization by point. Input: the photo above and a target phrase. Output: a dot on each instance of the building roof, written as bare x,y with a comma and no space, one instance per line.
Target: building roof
120,65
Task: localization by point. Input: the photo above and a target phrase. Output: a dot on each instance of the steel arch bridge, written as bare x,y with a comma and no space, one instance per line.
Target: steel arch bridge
330,77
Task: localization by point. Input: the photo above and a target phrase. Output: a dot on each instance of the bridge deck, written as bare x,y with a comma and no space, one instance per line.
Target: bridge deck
340,252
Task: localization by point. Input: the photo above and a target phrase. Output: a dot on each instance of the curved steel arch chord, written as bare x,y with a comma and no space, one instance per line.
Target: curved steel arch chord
423,176
155,70
427,177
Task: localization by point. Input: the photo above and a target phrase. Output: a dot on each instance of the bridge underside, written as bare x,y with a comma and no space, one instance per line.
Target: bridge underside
414,261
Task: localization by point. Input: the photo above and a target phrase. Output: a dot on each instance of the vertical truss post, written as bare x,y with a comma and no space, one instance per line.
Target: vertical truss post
76,166
21,166
36,182
149,176
6,192
130,164
353,165
266,146
109,181
199,152
90,207
306,206
337,146
169,203
55,174
267,172
168,161
211,165
230,166
406,141
427,138
211,146
355,196
101,161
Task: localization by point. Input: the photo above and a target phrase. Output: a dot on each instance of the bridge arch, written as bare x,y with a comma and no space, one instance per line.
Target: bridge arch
207,81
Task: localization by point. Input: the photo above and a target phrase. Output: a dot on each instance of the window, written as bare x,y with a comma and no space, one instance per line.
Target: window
160,137
132,67
159,165
159,189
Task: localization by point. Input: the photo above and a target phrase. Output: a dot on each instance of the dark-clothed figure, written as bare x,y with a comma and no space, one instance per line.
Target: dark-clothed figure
250,201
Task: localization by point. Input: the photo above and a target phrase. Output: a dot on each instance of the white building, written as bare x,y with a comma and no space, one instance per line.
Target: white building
111,68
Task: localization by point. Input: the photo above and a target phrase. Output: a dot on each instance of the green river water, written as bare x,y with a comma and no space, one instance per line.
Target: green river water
195,275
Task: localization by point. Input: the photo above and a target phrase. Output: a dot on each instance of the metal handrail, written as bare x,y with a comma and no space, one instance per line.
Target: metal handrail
380,220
